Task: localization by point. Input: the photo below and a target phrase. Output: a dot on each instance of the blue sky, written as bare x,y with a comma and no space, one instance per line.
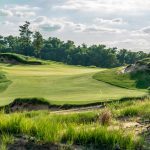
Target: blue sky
116,23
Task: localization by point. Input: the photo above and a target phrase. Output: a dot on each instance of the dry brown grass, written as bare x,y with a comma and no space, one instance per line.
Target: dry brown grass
105,117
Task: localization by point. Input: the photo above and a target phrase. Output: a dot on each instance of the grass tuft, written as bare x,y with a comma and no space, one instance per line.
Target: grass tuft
105,117
5,140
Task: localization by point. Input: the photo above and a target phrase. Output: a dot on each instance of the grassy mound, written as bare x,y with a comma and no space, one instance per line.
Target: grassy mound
18,59
139,79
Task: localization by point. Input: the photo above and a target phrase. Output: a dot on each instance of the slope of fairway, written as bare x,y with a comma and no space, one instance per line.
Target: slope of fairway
134,80
60,84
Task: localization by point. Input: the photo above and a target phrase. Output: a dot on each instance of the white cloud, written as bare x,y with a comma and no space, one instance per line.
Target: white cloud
22,8
24,14
131,44
19,11
54,24
47,24
74,19
115,21
49,27
57,24
143,32
105,5
97,29
132,41
146,30
4,12
7,23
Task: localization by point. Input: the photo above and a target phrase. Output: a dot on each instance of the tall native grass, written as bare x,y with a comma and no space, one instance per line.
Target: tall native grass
78,129
81,128
135,109
99,137
5,140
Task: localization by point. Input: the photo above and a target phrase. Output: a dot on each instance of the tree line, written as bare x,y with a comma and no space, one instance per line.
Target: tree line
33,44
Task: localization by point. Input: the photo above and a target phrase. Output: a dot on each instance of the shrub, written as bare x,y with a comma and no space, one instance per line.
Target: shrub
105,117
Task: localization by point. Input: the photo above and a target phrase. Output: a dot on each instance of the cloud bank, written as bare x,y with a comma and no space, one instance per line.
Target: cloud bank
124,24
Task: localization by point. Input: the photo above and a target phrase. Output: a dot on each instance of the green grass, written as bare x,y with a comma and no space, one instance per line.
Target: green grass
100,137
66,129
142,109
76,128
4,82
5,140
21,58
60,84
140,79
134,108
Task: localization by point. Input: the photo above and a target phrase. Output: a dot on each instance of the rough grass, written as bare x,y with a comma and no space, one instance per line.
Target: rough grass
136,108
76,128
99,137
142,109
5,140
140,79
60,84
69,129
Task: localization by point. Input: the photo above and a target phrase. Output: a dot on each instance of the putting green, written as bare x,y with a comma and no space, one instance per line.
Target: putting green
60,84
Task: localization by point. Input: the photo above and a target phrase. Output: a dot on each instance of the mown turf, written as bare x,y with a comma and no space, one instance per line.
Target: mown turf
60,84
4,82
140,79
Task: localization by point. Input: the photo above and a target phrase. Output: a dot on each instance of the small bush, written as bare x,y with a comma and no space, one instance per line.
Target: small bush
105,117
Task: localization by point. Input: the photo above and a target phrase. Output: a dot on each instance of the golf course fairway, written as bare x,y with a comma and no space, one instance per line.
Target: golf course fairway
60,84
